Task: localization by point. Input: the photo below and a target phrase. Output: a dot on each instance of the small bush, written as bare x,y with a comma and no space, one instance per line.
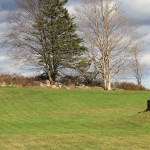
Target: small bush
129,86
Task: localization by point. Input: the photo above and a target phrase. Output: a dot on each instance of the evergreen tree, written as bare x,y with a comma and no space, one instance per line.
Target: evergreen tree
63,47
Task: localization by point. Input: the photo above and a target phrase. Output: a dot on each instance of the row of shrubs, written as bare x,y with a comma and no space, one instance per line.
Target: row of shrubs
91,82
35,81
129,86
16,80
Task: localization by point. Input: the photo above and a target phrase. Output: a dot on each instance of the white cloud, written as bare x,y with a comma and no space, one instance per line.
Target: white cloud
70,9
137,9
3,58
146,59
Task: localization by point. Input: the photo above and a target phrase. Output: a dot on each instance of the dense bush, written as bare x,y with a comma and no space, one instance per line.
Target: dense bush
129,86
42,77
79,80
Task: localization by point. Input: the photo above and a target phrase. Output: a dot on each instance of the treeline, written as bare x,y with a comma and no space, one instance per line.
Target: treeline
98,42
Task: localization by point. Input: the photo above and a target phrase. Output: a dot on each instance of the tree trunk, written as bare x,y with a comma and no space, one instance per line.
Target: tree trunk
107,83
139,82
49,74
54,77
109,78
49,77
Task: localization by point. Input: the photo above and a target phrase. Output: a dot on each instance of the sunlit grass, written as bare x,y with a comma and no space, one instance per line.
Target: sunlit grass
73,120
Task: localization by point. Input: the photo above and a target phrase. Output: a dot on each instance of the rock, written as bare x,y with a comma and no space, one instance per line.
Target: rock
48,85
81,86
41,85
60,86
87,87
55,87
47,82
57,84
3,84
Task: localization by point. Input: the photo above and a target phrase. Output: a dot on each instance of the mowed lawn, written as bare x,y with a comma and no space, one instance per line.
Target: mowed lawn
32,119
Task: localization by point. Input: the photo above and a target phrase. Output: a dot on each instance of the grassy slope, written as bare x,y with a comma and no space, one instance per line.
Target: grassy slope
73,120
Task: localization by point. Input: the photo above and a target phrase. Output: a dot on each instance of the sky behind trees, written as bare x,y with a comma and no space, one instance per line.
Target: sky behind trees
138,10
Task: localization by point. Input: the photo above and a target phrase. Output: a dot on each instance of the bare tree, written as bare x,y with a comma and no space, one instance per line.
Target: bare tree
108,34
26,34
137,67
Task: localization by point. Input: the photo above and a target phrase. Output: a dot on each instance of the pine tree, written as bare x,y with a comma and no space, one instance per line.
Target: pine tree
63,47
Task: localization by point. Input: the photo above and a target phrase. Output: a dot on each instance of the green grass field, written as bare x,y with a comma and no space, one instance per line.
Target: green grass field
32,119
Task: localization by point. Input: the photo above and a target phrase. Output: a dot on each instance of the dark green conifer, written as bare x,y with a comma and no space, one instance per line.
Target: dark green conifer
63,47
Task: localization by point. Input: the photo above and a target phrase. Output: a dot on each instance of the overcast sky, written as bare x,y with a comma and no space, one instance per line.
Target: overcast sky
139,10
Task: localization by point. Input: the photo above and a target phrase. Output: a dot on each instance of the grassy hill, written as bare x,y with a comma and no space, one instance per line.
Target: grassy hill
73,120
